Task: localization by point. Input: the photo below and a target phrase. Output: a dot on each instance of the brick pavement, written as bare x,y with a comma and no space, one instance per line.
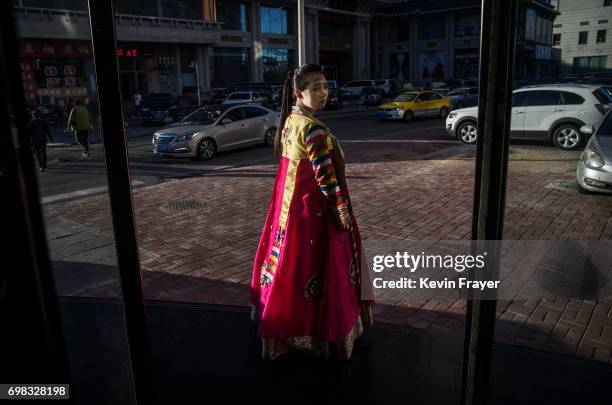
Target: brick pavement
402,189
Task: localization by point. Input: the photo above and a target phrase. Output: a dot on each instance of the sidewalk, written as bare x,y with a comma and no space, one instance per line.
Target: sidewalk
198,235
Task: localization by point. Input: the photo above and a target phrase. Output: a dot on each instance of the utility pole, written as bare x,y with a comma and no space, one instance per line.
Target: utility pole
194,65
301,34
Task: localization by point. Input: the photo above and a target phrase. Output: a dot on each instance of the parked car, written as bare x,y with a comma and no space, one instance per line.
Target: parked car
334,98
219,96
245,97
217,128
545,112
463,97
159,108
409,105
373,96
594,172
454,82
277,93
353,88
390,87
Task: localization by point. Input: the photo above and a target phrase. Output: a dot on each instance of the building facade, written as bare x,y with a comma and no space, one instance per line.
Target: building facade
170,46
582,35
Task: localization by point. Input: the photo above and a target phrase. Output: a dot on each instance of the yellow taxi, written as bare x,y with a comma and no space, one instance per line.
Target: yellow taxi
409,105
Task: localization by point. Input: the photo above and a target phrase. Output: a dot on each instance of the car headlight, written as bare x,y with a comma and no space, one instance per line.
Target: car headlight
452,115
398,109
184,138
592,158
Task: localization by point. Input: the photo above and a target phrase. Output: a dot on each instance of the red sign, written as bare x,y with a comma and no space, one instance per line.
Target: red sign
50,71
70,70
129,53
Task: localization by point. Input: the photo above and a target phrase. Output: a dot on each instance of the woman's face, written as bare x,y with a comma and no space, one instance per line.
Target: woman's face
315,94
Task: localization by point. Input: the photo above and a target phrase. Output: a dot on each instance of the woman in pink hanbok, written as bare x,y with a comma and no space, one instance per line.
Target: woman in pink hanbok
306,285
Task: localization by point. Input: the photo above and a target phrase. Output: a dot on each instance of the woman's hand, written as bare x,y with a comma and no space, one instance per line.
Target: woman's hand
346,222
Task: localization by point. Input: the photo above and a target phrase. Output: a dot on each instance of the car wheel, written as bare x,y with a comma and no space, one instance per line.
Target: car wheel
467,133
567,137
269,138
408,116
443,112
206,149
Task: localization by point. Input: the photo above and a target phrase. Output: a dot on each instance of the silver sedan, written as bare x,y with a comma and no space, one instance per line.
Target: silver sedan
594,172
217,128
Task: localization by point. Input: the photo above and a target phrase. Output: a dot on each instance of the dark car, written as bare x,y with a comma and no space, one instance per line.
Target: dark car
372,96
334,100
159,108
462,97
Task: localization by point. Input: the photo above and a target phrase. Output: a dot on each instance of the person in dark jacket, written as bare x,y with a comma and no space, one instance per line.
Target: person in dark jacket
39,132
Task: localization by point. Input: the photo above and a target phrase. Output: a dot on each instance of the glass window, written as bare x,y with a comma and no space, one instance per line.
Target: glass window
519,99
556,39
254,112
607,3
276,63
235,115
601,36
202,116
233,15
543,97
583,37
432,28
605,129
56,4
571,98
603,95
273,20
588,64
405,97
240,96
229,65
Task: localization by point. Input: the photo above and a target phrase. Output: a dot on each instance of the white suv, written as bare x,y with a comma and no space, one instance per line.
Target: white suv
544,112
354,88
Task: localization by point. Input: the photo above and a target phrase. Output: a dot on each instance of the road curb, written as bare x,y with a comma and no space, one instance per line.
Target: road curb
60,145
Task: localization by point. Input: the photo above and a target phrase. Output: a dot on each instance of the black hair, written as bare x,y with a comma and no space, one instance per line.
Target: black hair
296,81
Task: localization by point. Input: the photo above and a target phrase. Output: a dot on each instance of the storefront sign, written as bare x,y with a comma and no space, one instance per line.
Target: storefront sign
127,52
54,48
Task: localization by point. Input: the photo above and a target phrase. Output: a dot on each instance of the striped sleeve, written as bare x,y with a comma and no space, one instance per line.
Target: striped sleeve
320,154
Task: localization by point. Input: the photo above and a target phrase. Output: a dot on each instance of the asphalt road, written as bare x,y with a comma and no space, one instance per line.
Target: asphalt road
69,176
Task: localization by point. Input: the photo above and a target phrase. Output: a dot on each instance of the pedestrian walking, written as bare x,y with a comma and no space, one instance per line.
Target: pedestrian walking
39,133
306,284
137,99
80,124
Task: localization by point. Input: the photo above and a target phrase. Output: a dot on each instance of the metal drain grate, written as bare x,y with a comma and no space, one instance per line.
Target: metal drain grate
181,206
563,185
